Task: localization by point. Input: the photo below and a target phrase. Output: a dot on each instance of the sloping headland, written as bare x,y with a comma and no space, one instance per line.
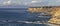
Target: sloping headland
54,11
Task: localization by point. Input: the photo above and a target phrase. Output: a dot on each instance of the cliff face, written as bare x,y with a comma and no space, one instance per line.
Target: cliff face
54,11
55,17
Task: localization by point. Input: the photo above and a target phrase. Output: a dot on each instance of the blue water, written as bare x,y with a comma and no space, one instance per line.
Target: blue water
21,14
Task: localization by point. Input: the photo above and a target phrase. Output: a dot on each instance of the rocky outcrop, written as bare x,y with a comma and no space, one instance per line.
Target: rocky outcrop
54,11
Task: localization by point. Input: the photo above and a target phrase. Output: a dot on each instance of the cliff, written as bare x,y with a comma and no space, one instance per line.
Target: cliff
52,10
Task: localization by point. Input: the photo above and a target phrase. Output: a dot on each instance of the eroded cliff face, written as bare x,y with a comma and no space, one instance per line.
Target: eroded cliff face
54,11
55,17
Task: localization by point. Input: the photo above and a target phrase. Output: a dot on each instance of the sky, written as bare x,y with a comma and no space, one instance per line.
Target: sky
30,2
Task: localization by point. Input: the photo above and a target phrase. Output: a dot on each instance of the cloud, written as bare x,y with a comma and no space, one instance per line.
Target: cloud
58,1
7,2
45,3
34,1
31,2
10,2
53,3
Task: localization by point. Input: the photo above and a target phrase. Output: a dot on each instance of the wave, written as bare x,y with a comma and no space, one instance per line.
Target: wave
36,22
29,22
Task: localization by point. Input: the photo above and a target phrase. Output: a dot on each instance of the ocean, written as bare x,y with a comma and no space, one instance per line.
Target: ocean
22,17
